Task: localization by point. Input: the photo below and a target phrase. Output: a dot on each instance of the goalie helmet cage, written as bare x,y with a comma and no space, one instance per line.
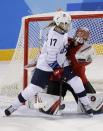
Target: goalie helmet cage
31,37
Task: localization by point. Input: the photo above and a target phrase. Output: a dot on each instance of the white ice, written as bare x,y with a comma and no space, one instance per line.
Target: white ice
31,120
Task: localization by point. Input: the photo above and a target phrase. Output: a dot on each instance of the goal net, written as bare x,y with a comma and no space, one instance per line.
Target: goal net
32,35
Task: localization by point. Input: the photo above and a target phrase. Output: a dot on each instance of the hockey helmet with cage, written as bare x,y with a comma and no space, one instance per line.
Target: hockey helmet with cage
62,19
83,32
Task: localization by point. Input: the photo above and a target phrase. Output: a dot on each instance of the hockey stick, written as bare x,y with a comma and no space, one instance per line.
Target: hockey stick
99,109
52,109
61,107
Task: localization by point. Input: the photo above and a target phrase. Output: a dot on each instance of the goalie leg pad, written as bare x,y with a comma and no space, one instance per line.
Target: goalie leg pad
96,100
35,102
96,103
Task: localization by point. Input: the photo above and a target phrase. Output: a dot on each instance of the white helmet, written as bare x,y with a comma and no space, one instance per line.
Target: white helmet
63,17
84,28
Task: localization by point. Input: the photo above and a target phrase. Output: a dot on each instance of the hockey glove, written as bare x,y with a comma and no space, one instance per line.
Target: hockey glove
57,74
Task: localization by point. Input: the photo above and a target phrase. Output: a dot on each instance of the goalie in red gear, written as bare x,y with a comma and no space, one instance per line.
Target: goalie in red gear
76,43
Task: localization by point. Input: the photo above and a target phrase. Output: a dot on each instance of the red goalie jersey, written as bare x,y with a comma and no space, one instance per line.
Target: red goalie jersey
78,68
75,43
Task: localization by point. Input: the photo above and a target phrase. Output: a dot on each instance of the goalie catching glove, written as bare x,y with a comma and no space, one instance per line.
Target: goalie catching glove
85,61
85,55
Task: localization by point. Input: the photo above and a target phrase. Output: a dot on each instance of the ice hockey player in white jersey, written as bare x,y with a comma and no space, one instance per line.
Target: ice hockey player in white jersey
51,59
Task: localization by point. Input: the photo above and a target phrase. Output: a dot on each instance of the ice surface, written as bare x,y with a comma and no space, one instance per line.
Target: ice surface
31,120
95,70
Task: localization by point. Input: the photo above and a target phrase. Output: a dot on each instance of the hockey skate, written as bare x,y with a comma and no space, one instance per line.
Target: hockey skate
9,110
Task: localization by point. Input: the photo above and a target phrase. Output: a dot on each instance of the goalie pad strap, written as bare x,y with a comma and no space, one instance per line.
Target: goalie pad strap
81,94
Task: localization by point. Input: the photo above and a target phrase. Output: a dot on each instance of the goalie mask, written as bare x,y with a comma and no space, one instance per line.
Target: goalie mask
83,33
62,20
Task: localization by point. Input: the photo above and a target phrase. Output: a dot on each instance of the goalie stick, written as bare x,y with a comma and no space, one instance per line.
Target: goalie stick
99,109
52,109
60,92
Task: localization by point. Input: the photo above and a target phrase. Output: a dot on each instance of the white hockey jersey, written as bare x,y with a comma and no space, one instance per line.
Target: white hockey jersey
53,51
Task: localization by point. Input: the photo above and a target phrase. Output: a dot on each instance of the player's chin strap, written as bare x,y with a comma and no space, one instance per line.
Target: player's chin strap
96,103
